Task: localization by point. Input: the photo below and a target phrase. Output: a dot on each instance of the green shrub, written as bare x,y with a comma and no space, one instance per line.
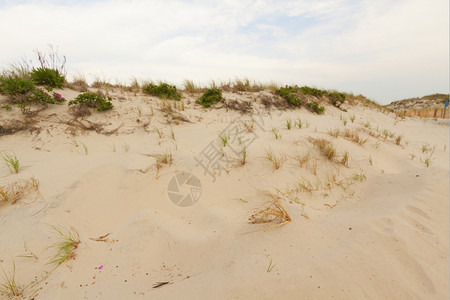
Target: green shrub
39,96
306,90
315,107
163,90
290,94
210,97
47,76
93,100
15,85
336,98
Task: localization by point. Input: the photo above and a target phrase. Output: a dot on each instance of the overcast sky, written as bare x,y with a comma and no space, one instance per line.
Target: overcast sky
384,49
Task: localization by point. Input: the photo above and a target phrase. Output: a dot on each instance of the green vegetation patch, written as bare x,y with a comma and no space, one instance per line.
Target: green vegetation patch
14,84
93,100
47,77
163,90
315,107
289,93
210,97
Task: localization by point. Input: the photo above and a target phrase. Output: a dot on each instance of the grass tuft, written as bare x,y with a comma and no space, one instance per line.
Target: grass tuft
12,162
276,133
66,247
10,287
224,138
289,124
244,156
325,147
344,159
274,212
277,160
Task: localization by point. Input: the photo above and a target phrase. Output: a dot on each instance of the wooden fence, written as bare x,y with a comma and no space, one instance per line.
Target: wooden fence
424,113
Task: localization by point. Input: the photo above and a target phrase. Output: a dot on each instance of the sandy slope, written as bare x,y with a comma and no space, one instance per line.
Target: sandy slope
366,231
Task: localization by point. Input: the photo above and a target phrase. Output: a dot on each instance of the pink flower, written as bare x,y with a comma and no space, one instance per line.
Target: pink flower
101,267
58,95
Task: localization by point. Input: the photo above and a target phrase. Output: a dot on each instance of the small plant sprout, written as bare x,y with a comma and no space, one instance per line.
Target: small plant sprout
276,133
172,133
426,148
244,156
334,133
359,177
159,132
224,138
428,161
307,124
352,118
367,125
85,148
10,287
276,160
344,159
249,125
314,167
125,147
298,123
164,159
289,124
12,162
270,267
344,121
66,247
302,160
398,139
370,160
385,134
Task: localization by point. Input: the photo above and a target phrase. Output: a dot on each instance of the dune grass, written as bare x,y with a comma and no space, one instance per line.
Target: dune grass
163,159
9,287
11,193
303,159
243,155
223,138
276,160
276,133
325,147
289,124
12,162
65,248
273,213
345,158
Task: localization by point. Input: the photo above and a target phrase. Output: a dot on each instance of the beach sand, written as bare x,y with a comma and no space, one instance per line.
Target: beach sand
377,228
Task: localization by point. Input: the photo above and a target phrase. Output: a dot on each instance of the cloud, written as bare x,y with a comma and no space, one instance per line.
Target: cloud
369,47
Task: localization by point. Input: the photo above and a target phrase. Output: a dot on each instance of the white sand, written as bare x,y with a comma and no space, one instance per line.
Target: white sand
385,237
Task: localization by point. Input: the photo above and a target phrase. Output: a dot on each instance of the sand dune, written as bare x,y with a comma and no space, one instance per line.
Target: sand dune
375,229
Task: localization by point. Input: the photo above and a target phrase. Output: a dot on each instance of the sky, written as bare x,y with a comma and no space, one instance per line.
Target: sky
385,50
